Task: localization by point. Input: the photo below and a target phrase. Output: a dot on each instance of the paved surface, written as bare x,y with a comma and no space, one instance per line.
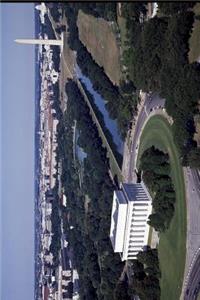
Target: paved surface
150,104
192,269
193,286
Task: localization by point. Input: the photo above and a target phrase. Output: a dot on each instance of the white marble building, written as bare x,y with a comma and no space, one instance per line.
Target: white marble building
129,231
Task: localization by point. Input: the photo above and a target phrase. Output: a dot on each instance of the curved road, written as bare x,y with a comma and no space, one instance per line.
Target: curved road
192,176
152,102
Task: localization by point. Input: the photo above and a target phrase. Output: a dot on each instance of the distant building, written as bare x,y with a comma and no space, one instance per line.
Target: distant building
129,230
54,76
43,10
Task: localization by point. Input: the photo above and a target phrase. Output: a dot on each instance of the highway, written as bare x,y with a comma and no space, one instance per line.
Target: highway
193,286
196,179
192,272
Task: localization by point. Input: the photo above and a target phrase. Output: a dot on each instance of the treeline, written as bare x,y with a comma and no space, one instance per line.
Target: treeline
157,59
47,28
171,8
55,9
155,168
107,11
119,108
99,268
146,275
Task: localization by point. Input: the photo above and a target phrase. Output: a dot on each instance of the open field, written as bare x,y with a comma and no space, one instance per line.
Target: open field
194,41
172,245
100,40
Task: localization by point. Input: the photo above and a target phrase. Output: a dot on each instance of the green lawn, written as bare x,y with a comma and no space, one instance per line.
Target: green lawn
194,41
100,39
172,246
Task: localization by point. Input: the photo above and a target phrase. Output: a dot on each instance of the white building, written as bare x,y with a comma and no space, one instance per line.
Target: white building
54,76
49,258
129,230
48,209
46,240
43,10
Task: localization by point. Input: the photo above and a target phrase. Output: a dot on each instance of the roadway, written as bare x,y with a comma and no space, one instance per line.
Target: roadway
192,274
152,103
193,286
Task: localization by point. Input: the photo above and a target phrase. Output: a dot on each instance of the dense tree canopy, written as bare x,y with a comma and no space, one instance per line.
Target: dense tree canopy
157,60
90,236
156,174
146,275
171,8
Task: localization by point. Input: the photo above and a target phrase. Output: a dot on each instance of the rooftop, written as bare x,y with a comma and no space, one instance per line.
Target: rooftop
121,200
135,192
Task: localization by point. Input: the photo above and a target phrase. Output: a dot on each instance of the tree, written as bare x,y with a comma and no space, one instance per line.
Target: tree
121,291
194,158
171,8
156,221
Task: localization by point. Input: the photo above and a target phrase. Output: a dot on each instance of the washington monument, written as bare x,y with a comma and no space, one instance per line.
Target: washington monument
41,42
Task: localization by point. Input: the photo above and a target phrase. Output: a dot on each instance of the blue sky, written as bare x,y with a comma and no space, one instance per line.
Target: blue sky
17,152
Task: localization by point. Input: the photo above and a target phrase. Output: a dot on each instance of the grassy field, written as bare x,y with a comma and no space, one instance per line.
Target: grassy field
194,41
97,35
172,245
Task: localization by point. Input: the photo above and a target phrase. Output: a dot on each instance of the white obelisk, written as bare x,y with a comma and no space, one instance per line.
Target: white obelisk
41,42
